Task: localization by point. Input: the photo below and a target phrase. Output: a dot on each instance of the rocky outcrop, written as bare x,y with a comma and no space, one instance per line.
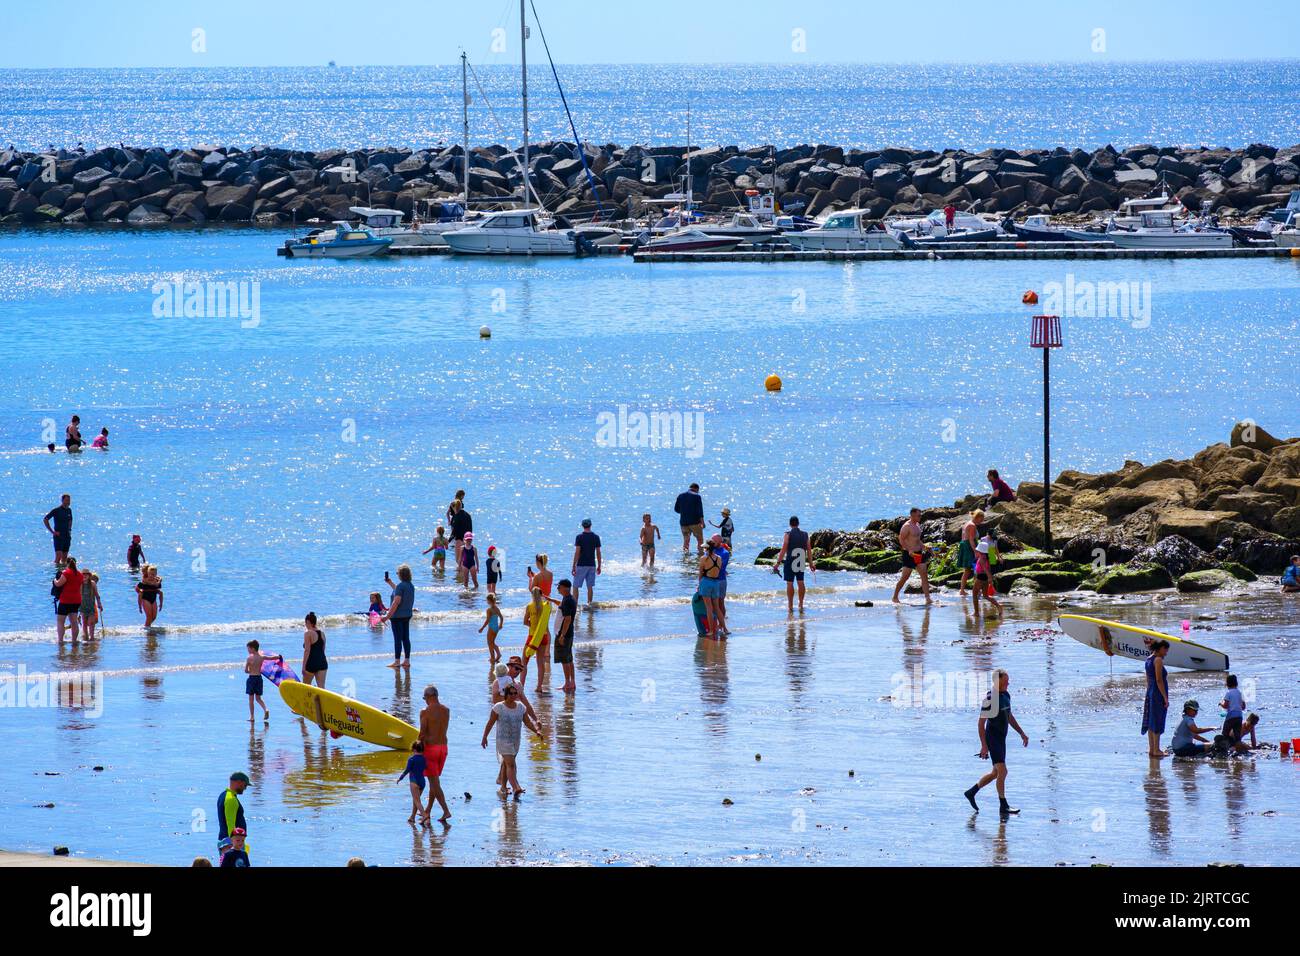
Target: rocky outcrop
271,185
1207,523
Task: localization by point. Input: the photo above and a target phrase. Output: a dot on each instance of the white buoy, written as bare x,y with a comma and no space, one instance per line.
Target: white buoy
485,333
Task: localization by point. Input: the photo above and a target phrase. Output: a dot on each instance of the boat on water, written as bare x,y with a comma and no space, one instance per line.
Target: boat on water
1039,228
344,241
742,225
511,232
933,229
1158,230
1287,238
426,230
850,229
688,239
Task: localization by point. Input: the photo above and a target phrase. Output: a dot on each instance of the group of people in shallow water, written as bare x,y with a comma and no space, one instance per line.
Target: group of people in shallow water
1189,739
78,603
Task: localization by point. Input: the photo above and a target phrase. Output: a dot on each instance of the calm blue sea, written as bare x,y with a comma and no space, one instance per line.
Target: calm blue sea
283,467
936,106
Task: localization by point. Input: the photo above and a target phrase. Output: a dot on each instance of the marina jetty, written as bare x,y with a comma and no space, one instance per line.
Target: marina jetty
1213,522
271,186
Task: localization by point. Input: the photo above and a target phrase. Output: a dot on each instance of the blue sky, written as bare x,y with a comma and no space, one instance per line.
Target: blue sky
63,33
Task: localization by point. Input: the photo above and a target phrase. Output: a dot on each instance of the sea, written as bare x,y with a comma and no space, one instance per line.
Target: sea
278,456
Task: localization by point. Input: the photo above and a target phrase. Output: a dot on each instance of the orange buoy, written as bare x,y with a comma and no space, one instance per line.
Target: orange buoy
1295,253
772,383
1030,298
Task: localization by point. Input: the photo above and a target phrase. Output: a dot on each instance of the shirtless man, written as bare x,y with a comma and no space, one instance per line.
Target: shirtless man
433,734
909,539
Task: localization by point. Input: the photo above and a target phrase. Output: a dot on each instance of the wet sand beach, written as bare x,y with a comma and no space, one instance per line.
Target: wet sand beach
785,744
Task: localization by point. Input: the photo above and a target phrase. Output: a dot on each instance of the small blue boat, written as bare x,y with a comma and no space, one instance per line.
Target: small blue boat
344,241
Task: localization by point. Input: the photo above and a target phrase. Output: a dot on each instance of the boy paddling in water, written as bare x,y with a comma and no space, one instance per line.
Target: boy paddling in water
995,716
914,555
433,735
649,534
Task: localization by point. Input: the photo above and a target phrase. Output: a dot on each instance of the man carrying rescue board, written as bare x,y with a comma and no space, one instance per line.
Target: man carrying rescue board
995,716
433,734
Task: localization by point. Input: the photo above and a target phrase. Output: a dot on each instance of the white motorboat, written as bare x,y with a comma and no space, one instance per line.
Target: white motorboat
931,229
511,232
842,231
742,225
1288,238
1157,230
689,239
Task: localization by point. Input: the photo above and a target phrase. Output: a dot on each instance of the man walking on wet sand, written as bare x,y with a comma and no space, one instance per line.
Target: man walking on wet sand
914,555
433,734
792,560
995,715
690,515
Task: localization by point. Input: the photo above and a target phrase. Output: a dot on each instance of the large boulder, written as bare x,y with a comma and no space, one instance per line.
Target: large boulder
1211,579
1023,520
1248,433
1203,528
1176,555
1286,521
1126,579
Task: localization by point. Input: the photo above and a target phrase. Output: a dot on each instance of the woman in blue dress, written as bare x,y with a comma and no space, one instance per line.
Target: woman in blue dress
1156,705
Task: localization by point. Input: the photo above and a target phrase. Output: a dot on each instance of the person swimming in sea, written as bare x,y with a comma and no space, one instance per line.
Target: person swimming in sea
134,553
101,440
439,548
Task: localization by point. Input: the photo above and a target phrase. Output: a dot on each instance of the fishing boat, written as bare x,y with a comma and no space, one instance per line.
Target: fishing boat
1157,230
344,241
688,239
847,230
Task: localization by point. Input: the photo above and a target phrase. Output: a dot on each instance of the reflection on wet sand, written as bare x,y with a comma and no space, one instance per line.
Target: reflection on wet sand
711,666
995,842
1156,791
331,775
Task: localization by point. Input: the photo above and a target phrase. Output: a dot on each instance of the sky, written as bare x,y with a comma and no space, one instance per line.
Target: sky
61,34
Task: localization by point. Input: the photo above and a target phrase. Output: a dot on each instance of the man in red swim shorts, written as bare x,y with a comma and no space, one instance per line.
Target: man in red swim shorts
433,734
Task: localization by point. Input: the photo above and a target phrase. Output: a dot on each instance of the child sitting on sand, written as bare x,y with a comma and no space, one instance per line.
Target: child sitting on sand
1183,744
439,549
415,768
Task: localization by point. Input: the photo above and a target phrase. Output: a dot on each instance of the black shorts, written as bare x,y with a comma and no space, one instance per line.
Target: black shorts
63,543
562,653
253,685
65,609
791,575
1232,729
997,749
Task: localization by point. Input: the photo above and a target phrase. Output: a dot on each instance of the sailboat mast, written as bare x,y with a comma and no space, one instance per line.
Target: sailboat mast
464,108
523,73
690,180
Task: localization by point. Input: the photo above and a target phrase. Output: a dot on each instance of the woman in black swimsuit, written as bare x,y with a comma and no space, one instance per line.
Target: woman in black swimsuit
314,664
149,594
